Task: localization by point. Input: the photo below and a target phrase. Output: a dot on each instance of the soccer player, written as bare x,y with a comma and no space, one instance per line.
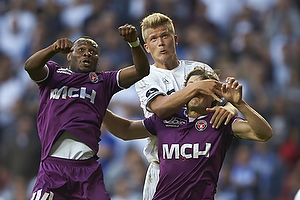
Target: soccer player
73,102
162,92
191,152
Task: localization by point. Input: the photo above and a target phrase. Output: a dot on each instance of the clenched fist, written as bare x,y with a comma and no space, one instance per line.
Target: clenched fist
128,33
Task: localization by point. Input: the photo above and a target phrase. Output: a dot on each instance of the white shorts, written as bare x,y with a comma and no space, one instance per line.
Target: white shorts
151,181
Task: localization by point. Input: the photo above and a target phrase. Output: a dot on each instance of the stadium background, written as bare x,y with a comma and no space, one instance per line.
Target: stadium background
258,42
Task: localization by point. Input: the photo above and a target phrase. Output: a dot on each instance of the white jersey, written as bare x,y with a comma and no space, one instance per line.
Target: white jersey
162,82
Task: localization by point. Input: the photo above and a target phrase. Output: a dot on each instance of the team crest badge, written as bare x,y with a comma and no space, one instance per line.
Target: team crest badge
93,77
201,125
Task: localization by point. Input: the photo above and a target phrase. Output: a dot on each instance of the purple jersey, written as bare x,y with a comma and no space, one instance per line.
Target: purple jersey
74,102
190,154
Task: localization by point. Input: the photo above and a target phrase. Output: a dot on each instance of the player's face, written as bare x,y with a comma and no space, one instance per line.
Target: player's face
84,57
161,44
200,102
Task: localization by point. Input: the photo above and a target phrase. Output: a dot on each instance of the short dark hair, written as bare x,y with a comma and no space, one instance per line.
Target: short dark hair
205,74
86,38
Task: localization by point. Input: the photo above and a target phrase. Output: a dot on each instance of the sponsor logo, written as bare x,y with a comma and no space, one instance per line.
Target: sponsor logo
151,91
165,81
179,152
66,92
201,125
174,122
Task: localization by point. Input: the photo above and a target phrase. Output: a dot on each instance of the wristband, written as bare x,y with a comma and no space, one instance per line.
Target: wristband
222,103
135,43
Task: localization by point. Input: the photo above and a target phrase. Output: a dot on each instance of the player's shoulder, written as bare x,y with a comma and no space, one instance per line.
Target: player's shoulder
108,73
154,69
53,65
56,69
154,75
193,64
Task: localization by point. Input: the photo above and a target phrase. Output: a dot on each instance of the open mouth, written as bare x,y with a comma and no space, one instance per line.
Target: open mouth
86,62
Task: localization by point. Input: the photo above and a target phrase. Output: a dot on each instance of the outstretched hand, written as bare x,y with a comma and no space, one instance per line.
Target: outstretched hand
63,45
232,91
128,32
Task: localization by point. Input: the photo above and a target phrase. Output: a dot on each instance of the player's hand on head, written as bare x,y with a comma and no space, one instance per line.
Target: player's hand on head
210,87
232,90
221,115
63,45
128,33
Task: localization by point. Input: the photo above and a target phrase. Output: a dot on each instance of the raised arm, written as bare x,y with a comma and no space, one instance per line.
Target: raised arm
256,127
35,65
141,68
123,128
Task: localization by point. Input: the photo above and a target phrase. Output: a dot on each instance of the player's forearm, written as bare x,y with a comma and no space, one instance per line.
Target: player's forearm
165,106
123,128
259,125
140,61
230,107
116,125
140,69
39,59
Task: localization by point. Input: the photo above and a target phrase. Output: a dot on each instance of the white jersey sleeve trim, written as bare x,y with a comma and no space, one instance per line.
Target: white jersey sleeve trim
45,77
118,80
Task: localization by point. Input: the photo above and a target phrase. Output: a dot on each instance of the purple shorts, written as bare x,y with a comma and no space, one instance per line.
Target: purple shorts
61,179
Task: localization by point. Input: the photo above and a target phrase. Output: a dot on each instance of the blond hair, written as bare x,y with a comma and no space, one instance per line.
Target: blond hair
155,20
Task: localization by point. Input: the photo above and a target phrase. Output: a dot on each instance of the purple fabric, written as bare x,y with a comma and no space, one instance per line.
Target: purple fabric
75,102
61,179
191,155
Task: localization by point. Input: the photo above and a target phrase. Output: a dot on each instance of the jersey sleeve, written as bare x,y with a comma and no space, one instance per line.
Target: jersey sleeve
51,67
147,89
150,123
112,80
233,119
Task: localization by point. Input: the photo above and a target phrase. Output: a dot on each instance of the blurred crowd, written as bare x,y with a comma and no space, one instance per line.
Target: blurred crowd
257,42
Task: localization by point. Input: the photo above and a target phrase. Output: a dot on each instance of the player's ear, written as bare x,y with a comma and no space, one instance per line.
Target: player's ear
69,56
146,48
176,40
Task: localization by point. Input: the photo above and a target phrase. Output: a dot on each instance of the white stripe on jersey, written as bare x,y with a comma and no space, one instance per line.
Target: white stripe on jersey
46,196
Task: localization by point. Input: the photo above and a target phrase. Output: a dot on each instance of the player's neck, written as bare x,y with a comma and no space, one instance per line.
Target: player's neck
193,114
169,65
196,114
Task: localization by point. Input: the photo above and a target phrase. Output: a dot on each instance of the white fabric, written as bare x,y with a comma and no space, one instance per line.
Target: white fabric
151,181
69,147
